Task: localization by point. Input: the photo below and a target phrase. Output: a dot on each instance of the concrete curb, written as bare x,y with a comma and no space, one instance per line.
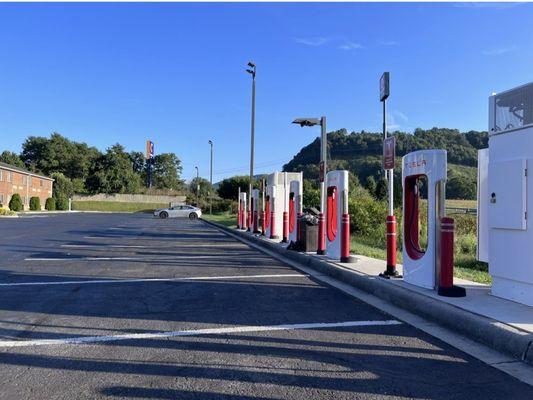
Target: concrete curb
494,334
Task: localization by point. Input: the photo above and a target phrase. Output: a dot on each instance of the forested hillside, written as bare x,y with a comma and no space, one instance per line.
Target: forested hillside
361,152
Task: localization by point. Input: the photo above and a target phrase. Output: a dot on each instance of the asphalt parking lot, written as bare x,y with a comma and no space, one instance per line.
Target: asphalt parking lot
128,306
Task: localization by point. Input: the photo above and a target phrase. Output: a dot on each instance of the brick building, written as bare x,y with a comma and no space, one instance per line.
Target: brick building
25,183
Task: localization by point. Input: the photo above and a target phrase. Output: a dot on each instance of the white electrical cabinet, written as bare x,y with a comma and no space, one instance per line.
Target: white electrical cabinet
505,198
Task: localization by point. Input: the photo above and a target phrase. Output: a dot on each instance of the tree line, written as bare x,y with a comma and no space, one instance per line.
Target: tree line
80,168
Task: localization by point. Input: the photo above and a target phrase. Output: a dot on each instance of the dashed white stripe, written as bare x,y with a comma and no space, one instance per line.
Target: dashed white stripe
195,332
192,278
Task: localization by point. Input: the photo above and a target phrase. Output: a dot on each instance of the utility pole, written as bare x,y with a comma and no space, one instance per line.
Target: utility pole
211,181
197,186
251,71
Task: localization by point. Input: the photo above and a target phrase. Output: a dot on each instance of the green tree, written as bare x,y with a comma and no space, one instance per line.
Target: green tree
63,187
229,187
205,187
381,189
371,185
166,171
11,158
15,204
113,173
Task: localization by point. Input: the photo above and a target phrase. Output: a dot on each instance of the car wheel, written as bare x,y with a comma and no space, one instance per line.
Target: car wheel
163,215
193,216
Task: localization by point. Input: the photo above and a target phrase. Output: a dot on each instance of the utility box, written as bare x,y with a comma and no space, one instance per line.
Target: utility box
504,196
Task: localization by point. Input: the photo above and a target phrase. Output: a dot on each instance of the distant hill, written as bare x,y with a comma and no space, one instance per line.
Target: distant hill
361,152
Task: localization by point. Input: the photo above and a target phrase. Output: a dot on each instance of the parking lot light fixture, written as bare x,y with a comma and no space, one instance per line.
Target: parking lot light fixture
251,71
303,122
211,180
197,186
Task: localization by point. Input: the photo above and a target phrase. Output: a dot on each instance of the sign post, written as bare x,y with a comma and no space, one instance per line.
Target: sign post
389,153
150,161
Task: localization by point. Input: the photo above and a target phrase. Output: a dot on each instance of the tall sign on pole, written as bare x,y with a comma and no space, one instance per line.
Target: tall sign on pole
389,153
149,161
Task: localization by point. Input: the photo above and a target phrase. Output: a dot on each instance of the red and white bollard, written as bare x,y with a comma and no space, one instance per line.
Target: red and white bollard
285,227
249,220
445,284
239,214
321,234
391,271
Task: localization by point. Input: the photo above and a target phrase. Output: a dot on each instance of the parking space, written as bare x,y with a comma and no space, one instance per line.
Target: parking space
128,306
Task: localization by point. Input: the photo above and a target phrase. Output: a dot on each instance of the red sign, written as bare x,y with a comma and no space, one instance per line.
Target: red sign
389,152
321,172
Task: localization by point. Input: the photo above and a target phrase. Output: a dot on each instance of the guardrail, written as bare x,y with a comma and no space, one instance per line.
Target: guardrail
461,210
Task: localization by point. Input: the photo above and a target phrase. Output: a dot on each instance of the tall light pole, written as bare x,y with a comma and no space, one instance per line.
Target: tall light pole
211,181
251,71
322,175
388,166
197,185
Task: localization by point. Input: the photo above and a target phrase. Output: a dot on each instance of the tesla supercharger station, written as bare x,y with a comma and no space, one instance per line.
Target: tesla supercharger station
273,215
432,267
278,201
295,209
242,211
337,217
255,211
504,236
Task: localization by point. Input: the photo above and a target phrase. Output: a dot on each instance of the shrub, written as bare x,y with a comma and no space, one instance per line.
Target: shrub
62,203
15,204
50,204
35,203
3,211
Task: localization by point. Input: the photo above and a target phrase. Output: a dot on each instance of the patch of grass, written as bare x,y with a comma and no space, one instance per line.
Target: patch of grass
226,219
465,265
116,206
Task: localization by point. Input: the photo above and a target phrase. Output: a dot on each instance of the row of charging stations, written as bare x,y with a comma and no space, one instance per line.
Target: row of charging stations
429,267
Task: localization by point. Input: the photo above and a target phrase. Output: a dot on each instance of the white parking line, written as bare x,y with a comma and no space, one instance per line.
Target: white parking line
192,278
186,257
95,246
82,259
195,332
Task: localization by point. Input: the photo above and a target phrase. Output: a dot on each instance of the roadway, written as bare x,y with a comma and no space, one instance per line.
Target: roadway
117,306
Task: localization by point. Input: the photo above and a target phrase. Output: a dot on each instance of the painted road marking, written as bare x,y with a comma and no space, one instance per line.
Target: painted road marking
195,332
192,278
127,246
83,259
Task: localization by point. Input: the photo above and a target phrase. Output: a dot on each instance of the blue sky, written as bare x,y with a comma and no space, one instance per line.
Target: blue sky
107,73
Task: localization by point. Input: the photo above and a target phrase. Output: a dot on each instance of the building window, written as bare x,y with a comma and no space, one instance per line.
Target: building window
24,180
2,198
9,176
1,175
42,183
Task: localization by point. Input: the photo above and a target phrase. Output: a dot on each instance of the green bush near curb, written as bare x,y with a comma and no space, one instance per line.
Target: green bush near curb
50,204
15,204
35,203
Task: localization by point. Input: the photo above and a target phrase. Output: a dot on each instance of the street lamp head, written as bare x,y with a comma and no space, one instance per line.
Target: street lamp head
307,121
250,71
251,64
211,143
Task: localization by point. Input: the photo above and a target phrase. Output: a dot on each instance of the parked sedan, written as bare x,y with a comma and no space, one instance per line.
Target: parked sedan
178,212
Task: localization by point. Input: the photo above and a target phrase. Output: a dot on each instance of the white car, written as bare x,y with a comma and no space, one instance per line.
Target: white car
178,212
